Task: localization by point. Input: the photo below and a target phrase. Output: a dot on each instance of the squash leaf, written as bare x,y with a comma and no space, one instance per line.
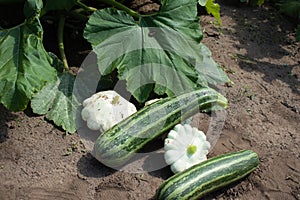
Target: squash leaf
202,2
32,8
158,52
58,102
25,66
213,9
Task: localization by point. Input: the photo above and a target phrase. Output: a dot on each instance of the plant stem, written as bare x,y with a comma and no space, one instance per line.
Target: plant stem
60,36
122,7
76,14
85,7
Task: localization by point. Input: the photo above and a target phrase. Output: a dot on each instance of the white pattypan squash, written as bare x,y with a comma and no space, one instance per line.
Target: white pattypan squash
184,147
104,109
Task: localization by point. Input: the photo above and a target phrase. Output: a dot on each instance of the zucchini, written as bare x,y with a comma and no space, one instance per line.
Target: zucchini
208,176
120,143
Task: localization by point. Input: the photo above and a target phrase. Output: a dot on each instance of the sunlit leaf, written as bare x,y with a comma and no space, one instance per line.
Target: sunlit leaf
158,52
57,102
214,9
25,66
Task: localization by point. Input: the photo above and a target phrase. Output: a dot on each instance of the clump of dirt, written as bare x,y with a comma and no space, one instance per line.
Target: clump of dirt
257,49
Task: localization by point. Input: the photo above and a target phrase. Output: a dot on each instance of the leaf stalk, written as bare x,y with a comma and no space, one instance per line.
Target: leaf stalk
60,36
85,7
122,7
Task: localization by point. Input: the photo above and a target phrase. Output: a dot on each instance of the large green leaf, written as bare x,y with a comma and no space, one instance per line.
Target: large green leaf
209,69
58,102
158,52
25,66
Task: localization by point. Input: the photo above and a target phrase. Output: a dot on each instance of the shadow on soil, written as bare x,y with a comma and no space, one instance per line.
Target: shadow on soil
5,117
263,38
273,72
153,163
88,166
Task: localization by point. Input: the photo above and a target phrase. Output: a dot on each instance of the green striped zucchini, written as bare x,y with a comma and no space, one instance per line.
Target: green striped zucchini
208,176
120,143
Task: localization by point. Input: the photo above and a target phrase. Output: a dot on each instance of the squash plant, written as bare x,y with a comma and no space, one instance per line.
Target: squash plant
30,74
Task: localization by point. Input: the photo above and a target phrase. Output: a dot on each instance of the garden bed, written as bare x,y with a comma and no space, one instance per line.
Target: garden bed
257,49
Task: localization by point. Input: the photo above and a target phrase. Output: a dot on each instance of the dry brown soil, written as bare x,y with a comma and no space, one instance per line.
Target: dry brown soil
257,48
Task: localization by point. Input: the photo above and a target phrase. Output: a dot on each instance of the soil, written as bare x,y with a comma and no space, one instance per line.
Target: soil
257,49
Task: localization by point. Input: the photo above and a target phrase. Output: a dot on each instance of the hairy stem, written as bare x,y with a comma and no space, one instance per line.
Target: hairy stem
60,36
85,7
121,7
